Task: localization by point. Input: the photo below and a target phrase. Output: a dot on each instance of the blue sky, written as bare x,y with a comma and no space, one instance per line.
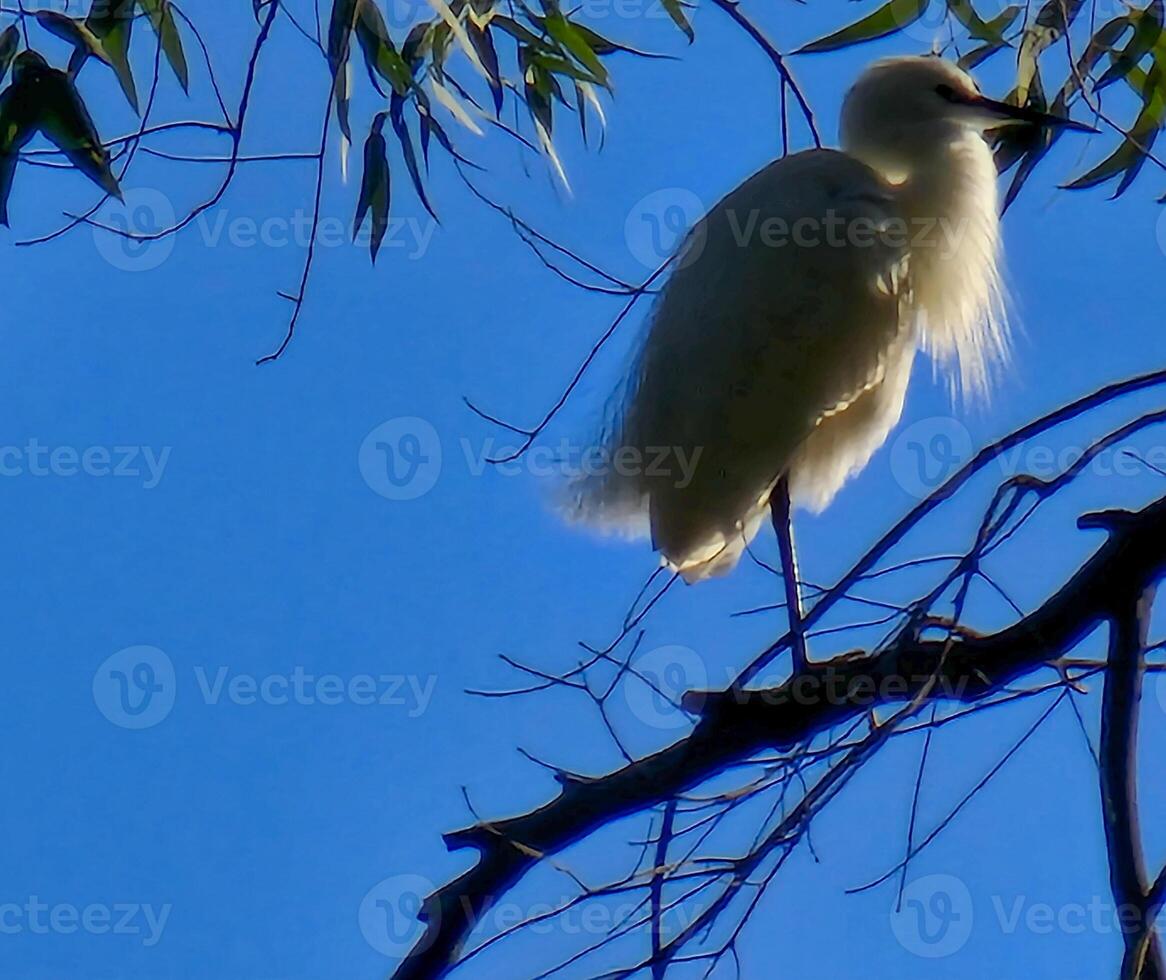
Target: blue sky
237,522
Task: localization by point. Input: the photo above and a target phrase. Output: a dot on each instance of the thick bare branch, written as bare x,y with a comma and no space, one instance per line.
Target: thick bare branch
736,724
1119,784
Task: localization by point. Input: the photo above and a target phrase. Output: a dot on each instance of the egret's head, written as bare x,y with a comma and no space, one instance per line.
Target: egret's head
902,107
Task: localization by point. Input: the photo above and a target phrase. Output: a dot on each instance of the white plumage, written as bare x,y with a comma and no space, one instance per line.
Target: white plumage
772,355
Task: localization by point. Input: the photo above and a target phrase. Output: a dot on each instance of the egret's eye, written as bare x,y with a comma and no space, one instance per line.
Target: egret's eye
945,92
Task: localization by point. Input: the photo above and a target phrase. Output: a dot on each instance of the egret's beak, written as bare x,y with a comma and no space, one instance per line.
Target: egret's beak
1003,113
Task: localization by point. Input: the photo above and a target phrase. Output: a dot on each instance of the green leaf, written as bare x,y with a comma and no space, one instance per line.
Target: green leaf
563,31
44,99
342,94
890,18
977,56
1052,20
418,43
401,128
1099,45
340,29
519,32
1027,144
483,42
76,32
1147,29
380,54
675,10
375,187
536,82
979,29
990,31
604,46
162,20
112,21
1129,158
9,44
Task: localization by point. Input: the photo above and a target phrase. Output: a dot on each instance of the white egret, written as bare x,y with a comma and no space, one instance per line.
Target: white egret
777,358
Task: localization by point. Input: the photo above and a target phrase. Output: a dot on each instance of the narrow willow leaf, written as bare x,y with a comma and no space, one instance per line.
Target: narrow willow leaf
563,31
1147,30
548,146
459,35
977,56
401,128
162,20
375,187
1052,20
17,127
890,18
456,109
536,89
675,10
592,99
76,32
519,32
44,99
603,46
340,28
9,44
380,54
112,21
1099,45
7,175
416,46
431,125
1129,158
342,97
483,42
556,65
979,29
1039,141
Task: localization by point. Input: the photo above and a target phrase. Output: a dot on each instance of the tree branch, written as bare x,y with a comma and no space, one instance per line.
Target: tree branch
1119,782
736,724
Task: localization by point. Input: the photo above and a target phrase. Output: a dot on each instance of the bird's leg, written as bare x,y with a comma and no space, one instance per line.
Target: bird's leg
781,514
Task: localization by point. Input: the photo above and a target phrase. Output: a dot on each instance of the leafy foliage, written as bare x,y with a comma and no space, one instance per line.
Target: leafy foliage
471,61
1129,48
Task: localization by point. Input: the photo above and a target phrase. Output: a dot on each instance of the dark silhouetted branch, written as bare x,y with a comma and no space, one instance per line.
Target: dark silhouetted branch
736,724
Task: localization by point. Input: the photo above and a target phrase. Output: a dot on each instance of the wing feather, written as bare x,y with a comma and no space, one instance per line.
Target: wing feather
779,315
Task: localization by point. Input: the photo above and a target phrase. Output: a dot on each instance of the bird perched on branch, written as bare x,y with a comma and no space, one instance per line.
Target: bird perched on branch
777,359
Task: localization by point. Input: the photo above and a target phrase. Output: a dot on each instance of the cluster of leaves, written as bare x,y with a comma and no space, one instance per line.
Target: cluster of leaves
541,60
556,60
45,100
1128,48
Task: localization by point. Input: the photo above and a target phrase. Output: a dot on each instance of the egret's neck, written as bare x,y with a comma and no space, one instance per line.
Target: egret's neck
947,195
